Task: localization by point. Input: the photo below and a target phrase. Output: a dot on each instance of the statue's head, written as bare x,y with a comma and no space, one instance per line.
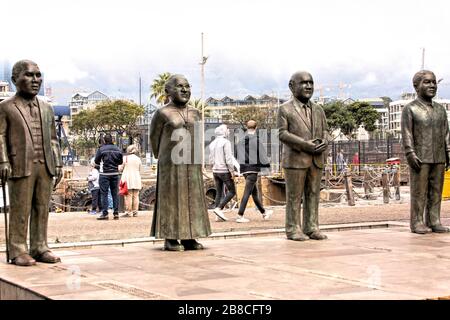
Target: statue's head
27,78
425,84
178,89
302,85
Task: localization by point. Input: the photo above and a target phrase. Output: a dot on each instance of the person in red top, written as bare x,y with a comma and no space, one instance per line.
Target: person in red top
355,161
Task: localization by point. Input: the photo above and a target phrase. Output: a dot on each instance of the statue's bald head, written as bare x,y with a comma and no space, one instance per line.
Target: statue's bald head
20,66
301,85
173,80
300,75
178,89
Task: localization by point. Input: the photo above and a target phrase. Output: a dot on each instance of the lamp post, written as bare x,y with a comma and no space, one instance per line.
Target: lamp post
202,92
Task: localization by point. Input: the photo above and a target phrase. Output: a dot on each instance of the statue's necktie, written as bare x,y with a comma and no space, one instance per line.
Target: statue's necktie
306,111
32,109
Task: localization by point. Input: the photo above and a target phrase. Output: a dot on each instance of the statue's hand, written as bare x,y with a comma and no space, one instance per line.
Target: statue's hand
5,171
413,161
58,176
309,147
320,148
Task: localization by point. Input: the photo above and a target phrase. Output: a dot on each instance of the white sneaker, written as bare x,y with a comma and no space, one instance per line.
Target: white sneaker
242,220
266,215
220,214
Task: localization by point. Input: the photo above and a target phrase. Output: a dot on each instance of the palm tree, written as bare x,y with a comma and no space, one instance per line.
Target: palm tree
199,105
157,88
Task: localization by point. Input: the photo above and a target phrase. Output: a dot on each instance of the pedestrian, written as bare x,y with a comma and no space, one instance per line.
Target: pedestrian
94,187
355,162
252,156
340,161
132,177
222,160
111,157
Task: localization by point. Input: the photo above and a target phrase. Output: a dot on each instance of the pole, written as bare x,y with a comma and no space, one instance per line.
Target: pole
349,188
385,184
202,92
6,220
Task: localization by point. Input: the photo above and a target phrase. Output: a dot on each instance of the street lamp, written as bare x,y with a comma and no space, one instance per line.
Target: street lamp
202,92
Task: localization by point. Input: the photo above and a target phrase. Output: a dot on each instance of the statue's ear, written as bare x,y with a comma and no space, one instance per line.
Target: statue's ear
290,85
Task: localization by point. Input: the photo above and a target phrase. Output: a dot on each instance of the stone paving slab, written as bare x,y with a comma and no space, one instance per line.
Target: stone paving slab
389,263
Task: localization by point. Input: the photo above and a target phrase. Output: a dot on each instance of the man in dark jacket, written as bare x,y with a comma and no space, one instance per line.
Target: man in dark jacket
252,156
111,157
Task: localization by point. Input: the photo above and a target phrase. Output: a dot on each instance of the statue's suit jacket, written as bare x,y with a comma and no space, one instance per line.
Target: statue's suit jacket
16,140
295,130
425,131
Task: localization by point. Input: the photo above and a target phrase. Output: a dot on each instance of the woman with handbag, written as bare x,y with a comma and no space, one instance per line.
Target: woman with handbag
130,182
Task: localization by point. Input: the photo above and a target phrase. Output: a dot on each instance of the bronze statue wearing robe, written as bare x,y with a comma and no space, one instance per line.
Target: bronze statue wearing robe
180,210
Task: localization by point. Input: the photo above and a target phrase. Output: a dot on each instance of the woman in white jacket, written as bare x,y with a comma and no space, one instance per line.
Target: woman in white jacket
131,168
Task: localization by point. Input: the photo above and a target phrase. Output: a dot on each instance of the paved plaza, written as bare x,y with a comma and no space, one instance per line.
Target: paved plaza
377,263
370,254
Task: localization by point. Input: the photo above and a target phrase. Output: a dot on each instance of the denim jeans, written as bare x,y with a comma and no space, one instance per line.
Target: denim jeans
96,201
250,189
109,183
220,179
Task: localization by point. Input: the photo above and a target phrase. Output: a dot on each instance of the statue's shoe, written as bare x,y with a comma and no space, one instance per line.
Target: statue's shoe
298,237
24,260
317,235
421,229
48,257
440,229
172,245
191,244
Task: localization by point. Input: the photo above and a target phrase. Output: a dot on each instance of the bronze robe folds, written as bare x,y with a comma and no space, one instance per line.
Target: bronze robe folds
180,210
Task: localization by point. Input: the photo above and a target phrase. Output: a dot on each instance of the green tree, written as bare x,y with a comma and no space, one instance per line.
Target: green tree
158,88
119,116
264,116
111,116
348,118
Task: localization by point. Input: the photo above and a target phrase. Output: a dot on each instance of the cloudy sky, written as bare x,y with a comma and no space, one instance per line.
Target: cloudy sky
373,47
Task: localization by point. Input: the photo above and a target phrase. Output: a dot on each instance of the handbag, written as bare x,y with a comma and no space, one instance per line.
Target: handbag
123,188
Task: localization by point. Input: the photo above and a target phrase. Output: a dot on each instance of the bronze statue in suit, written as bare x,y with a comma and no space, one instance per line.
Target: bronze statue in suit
304,132
30,158
426,141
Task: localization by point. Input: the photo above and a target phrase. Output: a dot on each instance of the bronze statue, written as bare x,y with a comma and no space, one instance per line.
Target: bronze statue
180,211
426,141
304,132
30,158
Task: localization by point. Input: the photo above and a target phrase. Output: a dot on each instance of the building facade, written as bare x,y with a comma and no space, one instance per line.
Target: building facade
220,109
85,101
396,107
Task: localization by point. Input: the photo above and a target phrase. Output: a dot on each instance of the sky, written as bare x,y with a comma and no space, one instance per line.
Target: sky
373,48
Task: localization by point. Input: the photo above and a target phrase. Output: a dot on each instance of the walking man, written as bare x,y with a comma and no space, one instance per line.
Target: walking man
222,160
111,157
252,156
304,132
426,141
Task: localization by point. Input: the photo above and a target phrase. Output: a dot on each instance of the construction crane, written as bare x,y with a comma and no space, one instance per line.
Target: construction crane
340,86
